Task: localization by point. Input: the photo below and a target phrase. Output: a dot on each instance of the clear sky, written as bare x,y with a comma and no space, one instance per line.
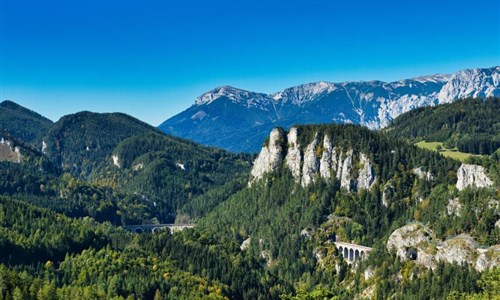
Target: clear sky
151,59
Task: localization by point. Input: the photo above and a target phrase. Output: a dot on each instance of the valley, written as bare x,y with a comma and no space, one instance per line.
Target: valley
106,206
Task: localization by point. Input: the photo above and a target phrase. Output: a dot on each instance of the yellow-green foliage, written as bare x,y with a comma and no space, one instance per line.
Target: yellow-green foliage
452,153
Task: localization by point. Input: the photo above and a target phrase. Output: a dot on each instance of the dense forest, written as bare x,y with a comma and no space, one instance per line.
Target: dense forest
22,123
61,212
471,125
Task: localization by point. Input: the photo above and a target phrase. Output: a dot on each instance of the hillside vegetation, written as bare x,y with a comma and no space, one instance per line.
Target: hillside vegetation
470,125
23,124
263,230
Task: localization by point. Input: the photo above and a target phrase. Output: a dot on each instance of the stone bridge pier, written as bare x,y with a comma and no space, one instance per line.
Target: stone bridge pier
352,252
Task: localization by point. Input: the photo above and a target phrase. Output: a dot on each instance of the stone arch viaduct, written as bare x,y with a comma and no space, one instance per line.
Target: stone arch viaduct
352,252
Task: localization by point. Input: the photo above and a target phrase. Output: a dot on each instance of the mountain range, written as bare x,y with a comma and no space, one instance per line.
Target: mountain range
239,120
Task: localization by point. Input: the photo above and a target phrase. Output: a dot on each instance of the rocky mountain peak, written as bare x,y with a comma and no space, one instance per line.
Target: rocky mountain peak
235,95
471,83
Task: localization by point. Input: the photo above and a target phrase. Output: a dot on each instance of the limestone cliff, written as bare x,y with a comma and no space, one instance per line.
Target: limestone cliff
311,162
294,157
271,155
328,162
319,159
366,175
417,242
345,177
472,175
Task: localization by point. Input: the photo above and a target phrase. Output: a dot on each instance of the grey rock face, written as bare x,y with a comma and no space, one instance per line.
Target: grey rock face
328,159
454,207
472,175
388,189
345,180
366,175
311,162
293,157
488,258
270,157
460,249
423,175
339,165
413,236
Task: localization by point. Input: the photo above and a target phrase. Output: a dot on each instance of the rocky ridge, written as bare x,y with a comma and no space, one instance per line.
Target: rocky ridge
321,158
238,120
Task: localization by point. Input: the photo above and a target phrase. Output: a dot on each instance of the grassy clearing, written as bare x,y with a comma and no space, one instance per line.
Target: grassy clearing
452,153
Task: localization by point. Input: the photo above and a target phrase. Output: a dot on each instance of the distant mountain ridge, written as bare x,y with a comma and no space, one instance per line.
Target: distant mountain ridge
239,120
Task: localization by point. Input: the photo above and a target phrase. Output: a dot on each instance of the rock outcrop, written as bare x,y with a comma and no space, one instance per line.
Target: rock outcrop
311,162
294,157
8,152
270,157
246,243
345,177
366,175
460,249
423,175
472,175
328,162
116,161
454,207
417,242
488,258
413,239
319,159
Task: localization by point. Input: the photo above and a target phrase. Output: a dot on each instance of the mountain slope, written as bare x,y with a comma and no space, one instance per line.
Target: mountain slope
22,123
119,169
319,184
169,173
238,120
81,142
471,125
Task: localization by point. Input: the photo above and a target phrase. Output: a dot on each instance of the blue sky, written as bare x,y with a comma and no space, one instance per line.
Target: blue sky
151,59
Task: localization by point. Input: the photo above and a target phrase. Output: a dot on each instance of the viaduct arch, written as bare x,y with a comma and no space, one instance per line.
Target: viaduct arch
352,252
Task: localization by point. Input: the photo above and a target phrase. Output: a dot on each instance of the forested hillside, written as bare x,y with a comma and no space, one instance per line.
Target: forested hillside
471,125
295,239
83,141
23,124
263,230
116,168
